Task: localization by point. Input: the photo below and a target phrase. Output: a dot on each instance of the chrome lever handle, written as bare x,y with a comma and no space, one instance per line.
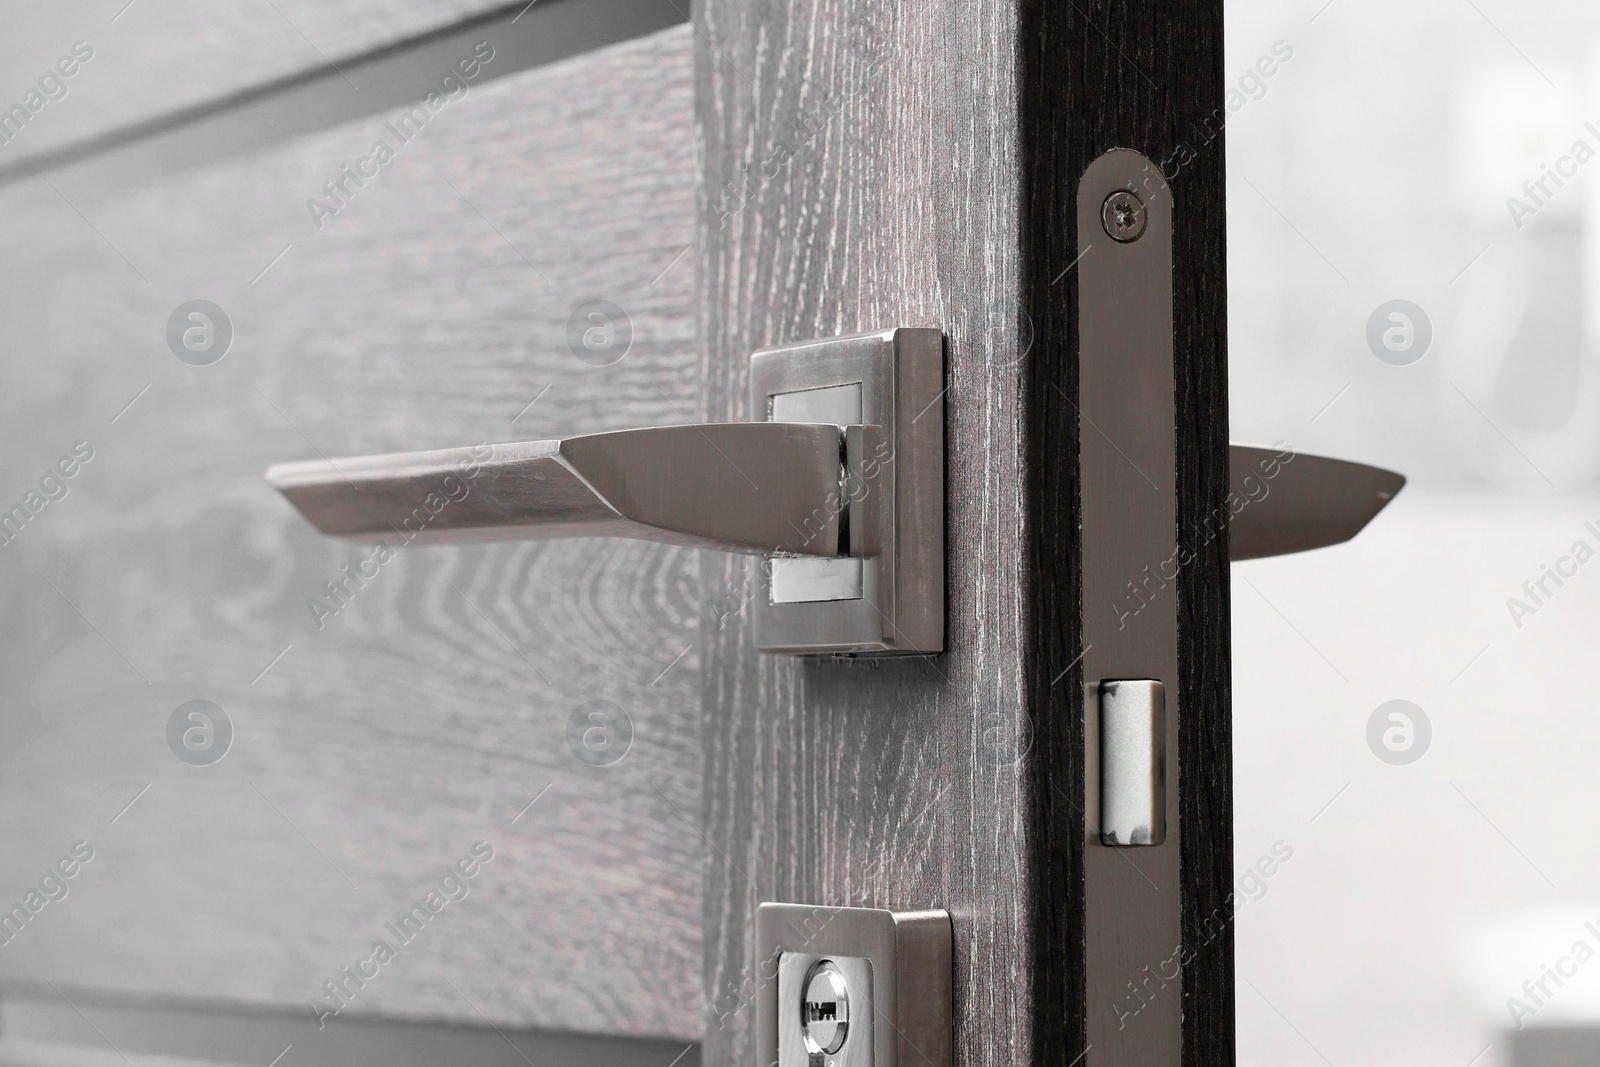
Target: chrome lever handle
838,479
756,487
1282,501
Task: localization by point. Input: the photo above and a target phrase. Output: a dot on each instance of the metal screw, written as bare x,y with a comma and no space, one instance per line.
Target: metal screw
1123,216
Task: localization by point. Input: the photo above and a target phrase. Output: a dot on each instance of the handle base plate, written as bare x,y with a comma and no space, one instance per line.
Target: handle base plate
892,498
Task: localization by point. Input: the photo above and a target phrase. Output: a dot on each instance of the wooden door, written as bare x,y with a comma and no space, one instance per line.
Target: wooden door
871,164
772,173
384,728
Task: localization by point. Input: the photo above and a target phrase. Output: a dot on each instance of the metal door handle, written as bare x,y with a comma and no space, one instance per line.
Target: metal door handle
759,487
1285,502
681,485
839,481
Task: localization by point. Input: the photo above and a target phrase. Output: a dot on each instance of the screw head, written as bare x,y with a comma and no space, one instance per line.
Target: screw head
825,1013
1124,216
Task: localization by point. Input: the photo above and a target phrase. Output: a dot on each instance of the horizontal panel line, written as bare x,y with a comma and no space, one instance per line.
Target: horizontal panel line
209,1031
522,36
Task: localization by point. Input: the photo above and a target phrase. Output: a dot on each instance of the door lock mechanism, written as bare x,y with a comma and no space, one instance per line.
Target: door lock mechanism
815,1025
824,1009
853,987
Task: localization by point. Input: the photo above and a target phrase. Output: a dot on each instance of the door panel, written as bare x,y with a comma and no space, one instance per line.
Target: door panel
526,266
48,1032
146,59
374,744
865,167
133,67
894,784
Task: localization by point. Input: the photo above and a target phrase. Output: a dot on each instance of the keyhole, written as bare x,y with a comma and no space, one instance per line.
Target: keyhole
825,1010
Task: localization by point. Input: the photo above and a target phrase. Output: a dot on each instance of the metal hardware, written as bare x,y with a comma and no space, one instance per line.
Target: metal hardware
1289,502
1131,559
838,480
1123,216
853,987
815,997
810,580
678,484
1128,485
824,1006
1133,766
889,596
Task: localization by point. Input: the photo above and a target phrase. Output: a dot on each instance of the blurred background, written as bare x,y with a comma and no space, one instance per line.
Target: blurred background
1386,161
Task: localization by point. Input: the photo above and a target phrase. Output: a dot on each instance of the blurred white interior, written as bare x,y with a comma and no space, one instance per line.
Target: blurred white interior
1376,164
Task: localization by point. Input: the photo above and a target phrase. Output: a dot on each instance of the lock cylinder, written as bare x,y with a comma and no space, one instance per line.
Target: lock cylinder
825,1010
853,987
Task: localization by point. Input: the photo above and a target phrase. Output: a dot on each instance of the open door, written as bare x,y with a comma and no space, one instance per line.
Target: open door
782,470
868,165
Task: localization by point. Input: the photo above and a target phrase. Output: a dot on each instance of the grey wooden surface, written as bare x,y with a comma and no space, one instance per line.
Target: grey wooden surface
151,59
90,1031
867,166
133,129
861,166
426,715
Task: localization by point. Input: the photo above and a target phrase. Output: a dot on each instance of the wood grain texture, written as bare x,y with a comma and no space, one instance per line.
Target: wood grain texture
861,167
432,310
864,169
